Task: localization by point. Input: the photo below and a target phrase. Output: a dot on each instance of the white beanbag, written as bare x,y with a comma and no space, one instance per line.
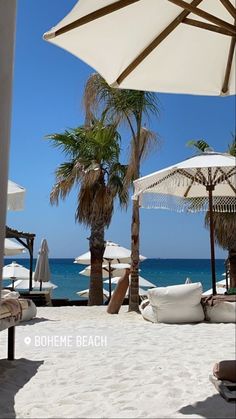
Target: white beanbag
222,312
147,311
30,312
177,303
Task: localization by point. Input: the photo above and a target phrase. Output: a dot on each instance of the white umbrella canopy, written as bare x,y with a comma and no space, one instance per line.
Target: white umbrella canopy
24,284
85,294
206,182
142,282
15,196
15,271
42,270
12,248
186,47
113,252
116,269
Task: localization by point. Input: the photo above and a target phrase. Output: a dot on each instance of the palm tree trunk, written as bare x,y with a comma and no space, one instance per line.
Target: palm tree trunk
232,268
134,283
135,227
97,247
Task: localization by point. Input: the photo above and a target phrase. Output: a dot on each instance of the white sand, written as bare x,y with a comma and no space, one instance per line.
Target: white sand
145,371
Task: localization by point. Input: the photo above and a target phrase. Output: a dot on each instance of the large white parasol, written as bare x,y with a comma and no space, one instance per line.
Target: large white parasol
170,46
113,253
12,248
15,196
206,182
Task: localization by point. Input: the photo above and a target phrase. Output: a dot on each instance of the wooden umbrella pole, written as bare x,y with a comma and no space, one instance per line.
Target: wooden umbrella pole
110,273
210,189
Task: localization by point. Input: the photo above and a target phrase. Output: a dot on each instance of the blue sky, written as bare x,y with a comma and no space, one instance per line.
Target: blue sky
48,88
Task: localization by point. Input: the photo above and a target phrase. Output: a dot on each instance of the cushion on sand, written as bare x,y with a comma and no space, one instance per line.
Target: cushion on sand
222,312
147,311
225,370
30,312
177,303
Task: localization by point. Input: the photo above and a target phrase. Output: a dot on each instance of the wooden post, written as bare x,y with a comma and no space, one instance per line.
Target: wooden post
210,189
11,343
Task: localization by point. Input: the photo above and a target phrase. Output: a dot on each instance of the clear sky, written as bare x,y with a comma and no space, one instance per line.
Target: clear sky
48,87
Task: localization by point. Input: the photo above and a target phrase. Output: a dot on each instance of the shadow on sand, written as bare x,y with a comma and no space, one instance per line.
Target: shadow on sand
212,407
13,376
35,320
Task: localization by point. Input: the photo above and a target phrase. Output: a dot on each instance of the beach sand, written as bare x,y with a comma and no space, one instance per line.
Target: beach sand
80,362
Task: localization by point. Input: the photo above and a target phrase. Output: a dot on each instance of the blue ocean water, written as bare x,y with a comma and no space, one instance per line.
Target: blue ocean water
162,272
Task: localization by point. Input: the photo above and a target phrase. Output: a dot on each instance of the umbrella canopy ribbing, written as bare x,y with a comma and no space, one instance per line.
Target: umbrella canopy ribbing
206,182
23,284
187,47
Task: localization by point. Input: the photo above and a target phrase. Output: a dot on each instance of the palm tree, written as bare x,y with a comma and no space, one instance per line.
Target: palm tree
224,223
93,167
134,108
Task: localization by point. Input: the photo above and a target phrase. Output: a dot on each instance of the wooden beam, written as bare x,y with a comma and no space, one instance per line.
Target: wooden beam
163,35
207,26
229,6
225,86
91,17
205,15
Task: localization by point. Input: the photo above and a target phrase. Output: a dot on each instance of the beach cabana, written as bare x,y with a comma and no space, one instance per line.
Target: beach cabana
206,182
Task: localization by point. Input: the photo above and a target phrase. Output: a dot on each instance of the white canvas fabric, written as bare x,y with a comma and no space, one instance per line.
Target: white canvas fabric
189,60
222,312
113,252
15,196
177,303
30,312
12,248
42,269
147,311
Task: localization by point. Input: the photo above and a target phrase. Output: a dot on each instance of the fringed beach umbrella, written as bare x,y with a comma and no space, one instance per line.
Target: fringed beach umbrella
42,270
206,182
170,46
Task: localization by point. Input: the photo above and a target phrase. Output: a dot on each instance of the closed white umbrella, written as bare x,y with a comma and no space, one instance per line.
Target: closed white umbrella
42,270
15,196
206,182
12,248
170,46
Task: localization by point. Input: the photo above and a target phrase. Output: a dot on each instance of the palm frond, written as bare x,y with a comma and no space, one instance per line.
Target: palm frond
200,145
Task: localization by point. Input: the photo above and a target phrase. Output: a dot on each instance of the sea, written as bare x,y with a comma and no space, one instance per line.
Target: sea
161,272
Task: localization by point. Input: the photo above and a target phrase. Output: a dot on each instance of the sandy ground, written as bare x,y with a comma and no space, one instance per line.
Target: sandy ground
80,362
